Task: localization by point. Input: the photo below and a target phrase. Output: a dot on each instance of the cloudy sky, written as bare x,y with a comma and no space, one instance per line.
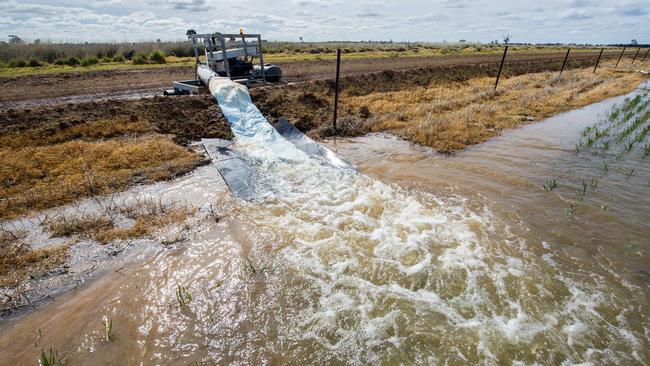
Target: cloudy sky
582,21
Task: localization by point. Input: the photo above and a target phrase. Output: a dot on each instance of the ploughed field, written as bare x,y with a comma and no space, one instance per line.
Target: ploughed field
32,90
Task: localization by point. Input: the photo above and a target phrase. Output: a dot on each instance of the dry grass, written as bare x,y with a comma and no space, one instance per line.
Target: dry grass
451,116
39,177
75,130
147,216
86,225
49,165
19,262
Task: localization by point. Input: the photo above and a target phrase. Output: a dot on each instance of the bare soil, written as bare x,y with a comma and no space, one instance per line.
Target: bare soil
34,90
308,104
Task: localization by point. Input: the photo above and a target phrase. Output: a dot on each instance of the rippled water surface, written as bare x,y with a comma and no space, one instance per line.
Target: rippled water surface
420,258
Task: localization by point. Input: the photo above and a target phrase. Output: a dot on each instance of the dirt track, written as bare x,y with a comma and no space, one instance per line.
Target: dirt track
52,89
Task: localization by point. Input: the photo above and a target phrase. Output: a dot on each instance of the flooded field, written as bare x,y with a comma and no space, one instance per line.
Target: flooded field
489,256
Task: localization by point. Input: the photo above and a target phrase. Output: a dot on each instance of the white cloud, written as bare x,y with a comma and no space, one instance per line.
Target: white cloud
192,5
429,20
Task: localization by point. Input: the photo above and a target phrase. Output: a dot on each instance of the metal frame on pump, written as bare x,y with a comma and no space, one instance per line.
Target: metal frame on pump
220,47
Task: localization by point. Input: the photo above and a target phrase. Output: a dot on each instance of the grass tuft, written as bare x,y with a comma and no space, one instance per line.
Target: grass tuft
550,184
19,261
108,328
51,358
182,296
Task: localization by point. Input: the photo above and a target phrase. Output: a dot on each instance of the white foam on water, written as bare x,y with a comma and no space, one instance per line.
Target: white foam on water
406,263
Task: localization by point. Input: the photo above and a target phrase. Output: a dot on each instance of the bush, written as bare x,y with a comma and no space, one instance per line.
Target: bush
49,55
88,61
157,57
139,59
72,61
106,59
129,54
60,61
17,63
180,51
118,58
34,63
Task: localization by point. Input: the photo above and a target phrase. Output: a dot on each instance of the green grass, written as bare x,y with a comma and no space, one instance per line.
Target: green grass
615,137
50,359
57,69
182,296
108,328
550,184
621,129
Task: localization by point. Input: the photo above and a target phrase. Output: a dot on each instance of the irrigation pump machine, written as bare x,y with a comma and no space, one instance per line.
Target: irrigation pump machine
228,55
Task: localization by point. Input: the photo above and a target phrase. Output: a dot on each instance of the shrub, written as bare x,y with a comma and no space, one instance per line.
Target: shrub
34,63
72,61
129,54
157,57
106,59
60,61
118,58
88,61
49,55
180,51
17,63
139,59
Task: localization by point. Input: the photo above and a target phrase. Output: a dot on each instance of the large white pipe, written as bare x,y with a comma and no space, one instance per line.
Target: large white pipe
205,74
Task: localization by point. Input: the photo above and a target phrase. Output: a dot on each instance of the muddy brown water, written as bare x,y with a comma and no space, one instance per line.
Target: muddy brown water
422,258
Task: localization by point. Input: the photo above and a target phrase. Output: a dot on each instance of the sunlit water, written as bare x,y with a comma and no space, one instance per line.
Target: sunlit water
420,258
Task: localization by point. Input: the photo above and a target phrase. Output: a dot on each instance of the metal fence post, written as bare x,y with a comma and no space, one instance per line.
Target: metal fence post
635,55
336,90
503,58
565,58
619,57
598,61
